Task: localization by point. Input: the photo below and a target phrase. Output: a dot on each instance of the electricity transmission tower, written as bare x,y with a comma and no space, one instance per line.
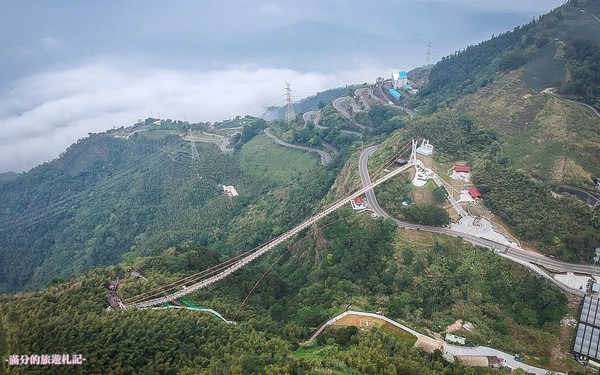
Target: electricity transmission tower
195,155
428,53
289,110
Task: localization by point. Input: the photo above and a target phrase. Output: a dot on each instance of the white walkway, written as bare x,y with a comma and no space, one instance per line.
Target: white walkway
483,229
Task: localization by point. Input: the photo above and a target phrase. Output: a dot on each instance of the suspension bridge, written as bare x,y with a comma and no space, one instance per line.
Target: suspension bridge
192,283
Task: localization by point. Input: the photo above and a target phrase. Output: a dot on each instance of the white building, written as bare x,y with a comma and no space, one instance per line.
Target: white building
426,148
230,190
399,79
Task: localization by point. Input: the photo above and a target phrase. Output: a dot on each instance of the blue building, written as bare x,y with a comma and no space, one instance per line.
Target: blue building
395,94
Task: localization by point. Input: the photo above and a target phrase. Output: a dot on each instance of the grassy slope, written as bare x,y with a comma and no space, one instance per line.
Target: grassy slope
264,159
552,139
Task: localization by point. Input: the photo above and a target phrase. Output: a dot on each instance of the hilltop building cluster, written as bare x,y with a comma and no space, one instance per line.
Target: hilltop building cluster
400,82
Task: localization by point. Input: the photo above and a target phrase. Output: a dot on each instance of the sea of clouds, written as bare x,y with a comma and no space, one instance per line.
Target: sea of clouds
41,115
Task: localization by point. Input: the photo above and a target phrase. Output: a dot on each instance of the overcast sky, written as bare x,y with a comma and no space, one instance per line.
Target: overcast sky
74,67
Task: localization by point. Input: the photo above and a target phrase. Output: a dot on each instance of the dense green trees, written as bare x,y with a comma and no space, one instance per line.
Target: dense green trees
107,196
563,226
459,136
426,214
349,260
249,131
584,71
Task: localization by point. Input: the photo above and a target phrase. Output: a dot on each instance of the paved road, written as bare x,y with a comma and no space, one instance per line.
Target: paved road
382,91
550,91
330,147
315,117
325,157
509,360
363,95
338,105
525,257
224,142
383,99
440,183
581,194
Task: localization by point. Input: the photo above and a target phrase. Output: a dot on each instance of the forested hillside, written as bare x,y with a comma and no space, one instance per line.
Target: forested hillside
487,106
346,260
107,196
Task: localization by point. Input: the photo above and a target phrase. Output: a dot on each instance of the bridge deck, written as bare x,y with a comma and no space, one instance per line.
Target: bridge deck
185,290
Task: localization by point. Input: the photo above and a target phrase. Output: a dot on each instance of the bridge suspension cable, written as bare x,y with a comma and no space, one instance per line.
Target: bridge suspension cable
189,284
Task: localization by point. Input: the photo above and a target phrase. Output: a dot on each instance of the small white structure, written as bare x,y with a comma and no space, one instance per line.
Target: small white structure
468,326
426,148
358,204
455,339
422,175
598,184
460,172
230,190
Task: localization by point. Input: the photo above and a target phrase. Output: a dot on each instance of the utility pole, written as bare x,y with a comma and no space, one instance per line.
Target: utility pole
289,111
428,54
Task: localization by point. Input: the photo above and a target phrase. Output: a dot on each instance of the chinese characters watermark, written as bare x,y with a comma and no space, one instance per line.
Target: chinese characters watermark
44,359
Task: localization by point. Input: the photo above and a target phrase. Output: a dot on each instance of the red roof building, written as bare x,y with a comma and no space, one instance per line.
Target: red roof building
462,168
475,193
358,204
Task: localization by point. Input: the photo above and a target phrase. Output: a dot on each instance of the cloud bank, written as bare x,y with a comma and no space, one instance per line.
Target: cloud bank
43,114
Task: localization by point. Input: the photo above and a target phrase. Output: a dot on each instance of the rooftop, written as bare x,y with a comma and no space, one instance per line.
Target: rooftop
587,336
230,190
475,193
462,168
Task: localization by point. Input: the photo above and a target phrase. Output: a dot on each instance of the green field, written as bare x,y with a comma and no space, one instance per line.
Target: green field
314,352
263,158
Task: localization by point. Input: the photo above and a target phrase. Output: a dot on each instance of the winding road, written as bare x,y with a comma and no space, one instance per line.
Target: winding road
382,92
534,261
550,90
338,105
315,117
325,156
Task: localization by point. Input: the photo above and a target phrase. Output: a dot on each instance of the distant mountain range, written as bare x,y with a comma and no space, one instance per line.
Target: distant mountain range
324,36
